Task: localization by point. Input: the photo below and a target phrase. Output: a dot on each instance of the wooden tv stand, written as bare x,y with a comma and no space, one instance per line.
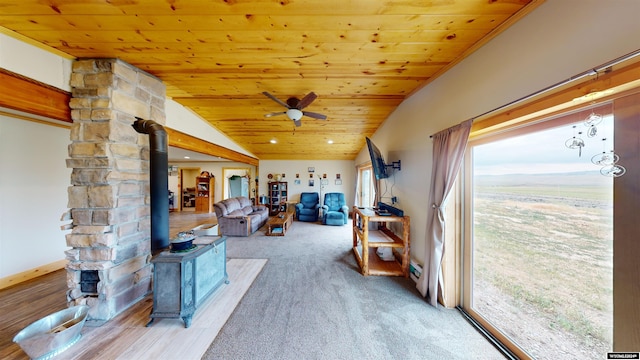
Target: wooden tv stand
365,243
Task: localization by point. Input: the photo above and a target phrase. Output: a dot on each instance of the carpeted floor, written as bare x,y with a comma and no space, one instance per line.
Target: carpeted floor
311,302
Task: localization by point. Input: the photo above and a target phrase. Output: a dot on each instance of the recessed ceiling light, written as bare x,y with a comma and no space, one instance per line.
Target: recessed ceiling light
273,141
186,157
330,142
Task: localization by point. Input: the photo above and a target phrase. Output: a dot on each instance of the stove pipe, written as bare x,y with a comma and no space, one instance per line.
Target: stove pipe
159,182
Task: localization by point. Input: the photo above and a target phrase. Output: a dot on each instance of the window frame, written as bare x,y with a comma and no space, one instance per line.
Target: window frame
624,82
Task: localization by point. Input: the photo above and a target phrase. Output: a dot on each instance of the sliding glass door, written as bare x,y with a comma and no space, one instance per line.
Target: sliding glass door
539,256
366,189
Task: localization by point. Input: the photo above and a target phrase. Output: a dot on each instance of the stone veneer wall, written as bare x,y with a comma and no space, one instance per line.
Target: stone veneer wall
109,192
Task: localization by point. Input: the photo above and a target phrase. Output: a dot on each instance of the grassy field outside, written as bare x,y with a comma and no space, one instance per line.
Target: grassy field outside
543,248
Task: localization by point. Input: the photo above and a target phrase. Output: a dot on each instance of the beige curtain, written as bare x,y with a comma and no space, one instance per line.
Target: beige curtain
448,150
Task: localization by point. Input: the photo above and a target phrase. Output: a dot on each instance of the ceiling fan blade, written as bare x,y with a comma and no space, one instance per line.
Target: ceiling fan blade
292,103
314,115
275,114
298,123
308,99
275,99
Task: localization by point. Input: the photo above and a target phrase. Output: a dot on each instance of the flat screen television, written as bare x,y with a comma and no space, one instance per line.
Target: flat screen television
377,161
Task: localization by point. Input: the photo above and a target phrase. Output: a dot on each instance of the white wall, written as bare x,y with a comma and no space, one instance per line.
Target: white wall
36,63
559,39
33,180
346,169
290,168
184,120
215,169
33,188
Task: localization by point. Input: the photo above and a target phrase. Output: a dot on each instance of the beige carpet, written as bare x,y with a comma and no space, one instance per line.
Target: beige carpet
311,302
127,337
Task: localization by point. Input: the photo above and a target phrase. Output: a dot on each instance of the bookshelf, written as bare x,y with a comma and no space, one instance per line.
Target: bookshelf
277,197
204,193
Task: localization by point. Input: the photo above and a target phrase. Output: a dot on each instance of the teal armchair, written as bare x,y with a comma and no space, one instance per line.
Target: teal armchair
335,210
308,207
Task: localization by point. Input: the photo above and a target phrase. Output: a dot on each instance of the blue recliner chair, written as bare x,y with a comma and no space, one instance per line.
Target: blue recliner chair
335,210
308,207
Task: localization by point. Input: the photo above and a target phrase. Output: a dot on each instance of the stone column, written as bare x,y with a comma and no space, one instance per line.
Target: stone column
109,192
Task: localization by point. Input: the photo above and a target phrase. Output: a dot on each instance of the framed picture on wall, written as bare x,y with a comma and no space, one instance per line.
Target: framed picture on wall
311,183
311,169
338,182
296,181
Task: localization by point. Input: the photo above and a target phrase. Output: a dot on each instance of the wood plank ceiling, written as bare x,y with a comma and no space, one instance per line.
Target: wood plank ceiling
361,57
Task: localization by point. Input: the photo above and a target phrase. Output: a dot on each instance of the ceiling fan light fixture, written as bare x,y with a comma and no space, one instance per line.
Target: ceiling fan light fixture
294,114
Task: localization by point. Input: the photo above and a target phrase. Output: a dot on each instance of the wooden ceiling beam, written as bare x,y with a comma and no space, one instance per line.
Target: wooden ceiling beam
29,96
188,142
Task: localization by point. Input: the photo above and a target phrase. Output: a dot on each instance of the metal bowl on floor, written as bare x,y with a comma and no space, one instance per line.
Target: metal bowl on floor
52,334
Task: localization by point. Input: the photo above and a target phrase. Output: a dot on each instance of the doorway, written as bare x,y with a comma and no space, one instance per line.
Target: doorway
236,182
187,181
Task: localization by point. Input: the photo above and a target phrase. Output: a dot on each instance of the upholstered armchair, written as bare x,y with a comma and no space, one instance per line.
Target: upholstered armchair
335,210
308,207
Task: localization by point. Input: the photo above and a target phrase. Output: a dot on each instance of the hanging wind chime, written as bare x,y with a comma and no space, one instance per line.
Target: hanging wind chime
608,160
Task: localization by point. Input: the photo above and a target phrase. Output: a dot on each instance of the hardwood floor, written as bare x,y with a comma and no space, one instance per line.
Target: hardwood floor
24,303
126,336
185,220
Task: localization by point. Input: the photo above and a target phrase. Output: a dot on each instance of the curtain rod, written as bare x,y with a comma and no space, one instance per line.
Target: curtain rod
589,72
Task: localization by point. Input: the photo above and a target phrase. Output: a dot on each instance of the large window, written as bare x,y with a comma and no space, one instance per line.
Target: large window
541,240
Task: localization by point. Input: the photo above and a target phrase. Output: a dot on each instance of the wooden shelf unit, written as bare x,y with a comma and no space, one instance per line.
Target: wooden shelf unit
277,197
204,193
365,243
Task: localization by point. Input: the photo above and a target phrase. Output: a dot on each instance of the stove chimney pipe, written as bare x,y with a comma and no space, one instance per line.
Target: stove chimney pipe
159,182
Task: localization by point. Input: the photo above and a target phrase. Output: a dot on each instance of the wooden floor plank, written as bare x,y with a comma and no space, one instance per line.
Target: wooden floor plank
24,303
126,336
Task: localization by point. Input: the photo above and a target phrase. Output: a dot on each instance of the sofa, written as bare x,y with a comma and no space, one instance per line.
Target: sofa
238,217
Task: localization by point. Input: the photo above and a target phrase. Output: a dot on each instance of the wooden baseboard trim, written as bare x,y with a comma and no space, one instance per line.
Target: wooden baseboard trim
31,274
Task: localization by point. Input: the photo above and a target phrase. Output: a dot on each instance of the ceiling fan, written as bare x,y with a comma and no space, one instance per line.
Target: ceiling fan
294,108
